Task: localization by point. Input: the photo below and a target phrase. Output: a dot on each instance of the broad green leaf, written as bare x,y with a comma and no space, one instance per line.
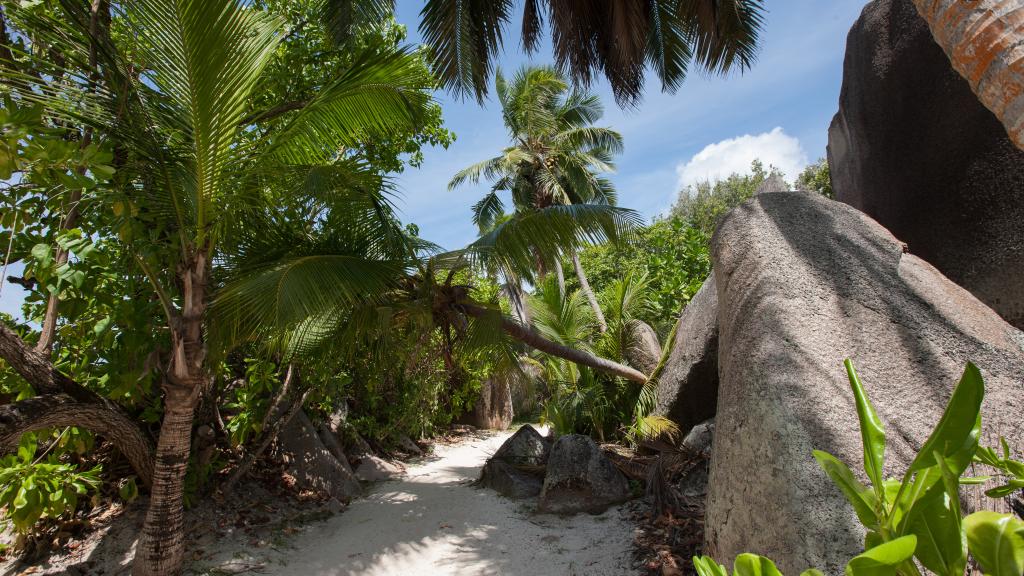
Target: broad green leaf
872,433
27,447
812,572
940,538
883,559
858,495
706,566
754,565
956,435
996,542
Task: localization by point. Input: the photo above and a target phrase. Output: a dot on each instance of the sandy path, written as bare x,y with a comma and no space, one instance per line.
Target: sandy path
433,522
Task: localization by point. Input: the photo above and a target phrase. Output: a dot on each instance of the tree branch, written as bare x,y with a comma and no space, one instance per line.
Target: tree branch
61,400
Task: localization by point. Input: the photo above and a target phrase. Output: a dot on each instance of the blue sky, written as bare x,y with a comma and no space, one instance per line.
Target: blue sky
778,111
794,86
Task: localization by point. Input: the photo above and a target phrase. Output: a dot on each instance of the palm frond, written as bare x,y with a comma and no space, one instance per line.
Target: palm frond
464,36
525,240
379,93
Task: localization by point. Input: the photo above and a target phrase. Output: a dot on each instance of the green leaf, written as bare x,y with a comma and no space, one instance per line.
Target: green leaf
872,433
858,495
883,559
706,566
956,435
754,565
812,572
996,542
27,447
935,520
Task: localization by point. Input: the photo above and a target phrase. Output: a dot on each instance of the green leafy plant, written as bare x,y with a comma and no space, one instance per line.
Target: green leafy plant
31,490
918,517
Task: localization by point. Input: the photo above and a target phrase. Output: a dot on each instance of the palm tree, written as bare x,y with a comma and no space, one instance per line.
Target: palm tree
555,157
201,162
616,38
982,39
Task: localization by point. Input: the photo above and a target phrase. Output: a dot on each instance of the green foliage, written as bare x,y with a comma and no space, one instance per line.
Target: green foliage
672,256
816,178
702,205
919,516
31,490
1011,471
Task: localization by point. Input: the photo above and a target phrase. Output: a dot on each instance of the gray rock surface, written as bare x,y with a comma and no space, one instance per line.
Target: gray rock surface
700,437
508,480
914,148
688,386
580,478
527,447
804,282
375,469
492,409
312,464
643,351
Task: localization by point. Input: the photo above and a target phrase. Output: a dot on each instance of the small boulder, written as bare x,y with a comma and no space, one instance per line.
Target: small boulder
405,444
643,351
510,481
580,478
527,447
700,437
517,468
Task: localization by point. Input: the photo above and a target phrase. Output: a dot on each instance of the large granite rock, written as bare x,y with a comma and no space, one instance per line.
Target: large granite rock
804,282
580,478
688,386
914,148
516,469
493,407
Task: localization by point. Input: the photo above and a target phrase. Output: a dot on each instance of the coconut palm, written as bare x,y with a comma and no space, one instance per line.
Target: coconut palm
617,38
556,156
982,39
200,162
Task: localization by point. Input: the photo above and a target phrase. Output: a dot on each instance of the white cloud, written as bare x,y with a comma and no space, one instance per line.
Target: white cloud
719,160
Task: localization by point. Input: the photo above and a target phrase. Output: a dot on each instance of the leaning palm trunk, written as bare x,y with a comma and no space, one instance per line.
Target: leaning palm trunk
161,547
531,338
982,39
585,287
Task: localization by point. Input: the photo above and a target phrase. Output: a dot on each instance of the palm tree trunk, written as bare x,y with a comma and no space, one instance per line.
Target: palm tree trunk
560,276
982,39
161,547
531,338
585,287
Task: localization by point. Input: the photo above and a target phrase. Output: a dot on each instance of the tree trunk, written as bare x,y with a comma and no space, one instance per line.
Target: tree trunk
64,402
560,276
982,40
585,287
161,547
531,338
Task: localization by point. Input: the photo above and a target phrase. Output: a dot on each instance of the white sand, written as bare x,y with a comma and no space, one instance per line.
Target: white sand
434,522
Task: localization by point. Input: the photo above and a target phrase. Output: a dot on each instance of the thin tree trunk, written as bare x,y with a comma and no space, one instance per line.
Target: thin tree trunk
560,276
161,547
531,338
982,39
49,329
585,287
64,402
